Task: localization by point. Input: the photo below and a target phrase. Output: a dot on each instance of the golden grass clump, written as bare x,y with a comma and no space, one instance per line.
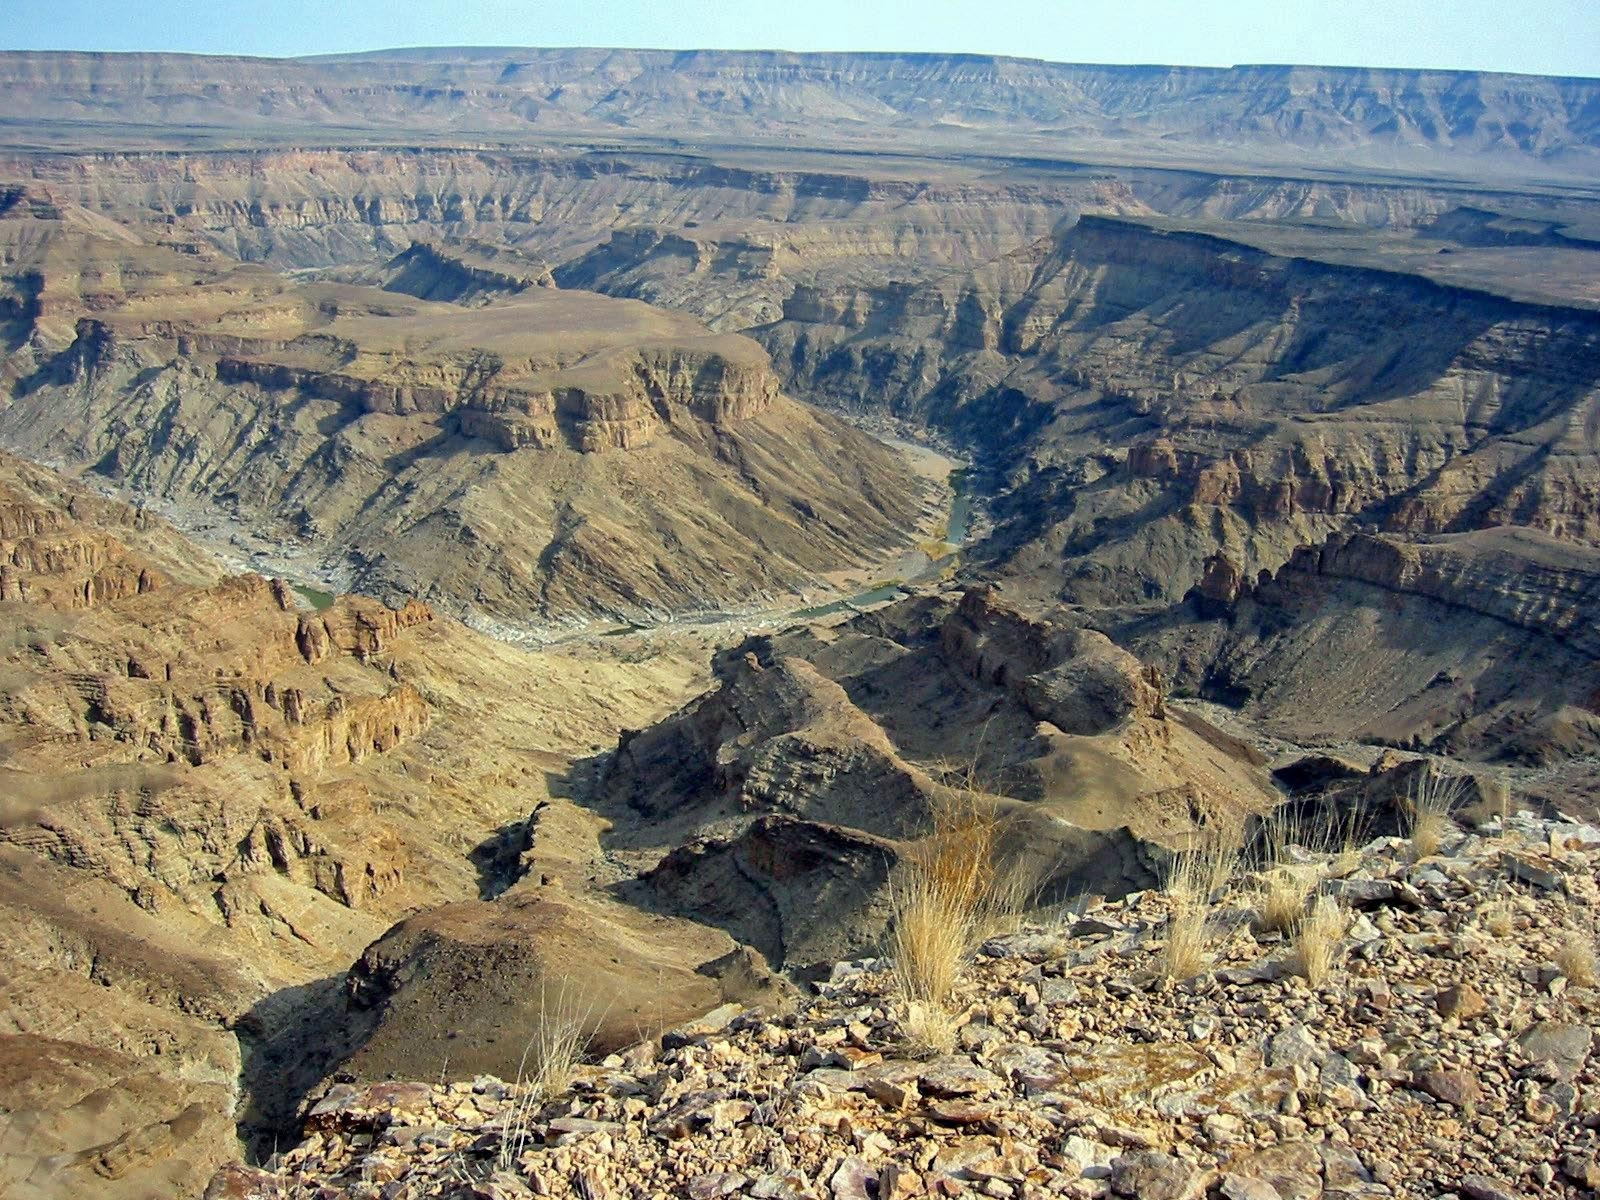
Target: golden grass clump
927,1030
1292,836
1194,877
1284,892
1575,958
1428,808
1318,941
1495,803
1498,919
945,897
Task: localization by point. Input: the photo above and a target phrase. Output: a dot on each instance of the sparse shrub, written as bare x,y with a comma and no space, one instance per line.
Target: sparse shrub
1428,809
1291,843
1194,877
556,1048
1186,953
1318,941
1497,919
1494,802
945,897
1323,833
1284,892
927,1030
1575,958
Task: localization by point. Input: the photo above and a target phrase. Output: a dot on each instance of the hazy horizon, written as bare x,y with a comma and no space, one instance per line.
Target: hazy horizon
1545,37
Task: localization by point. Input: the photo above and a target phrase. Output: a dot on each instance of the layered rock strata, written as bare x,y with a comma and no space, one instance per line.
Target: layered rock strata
554,456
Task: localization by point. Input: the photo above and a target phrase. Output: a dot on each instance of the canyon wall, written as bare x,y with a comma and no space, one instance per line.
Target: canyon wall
1523,126
1154,395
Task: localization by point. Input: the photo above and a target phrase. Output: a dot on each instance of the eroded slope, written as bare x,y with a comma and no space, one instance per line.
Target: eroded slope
553,456
213,801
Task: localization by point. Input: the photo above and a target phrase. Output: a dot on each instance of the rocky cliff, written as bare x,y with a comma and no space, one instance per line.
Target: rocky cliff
213,801
796,778
1477,645
554,455
1155,395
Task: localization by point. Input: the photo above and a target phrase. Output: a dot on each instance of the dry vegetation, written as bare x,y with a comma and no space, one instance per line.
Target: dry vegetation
556,1049
948,895
1575,958
1194,878
1429,809
1318,941
1284,892
1300,851
1498,919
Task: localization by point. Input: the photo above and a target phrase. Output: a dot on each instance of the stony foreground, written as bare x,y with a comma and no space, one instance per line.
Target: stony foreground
1448,1054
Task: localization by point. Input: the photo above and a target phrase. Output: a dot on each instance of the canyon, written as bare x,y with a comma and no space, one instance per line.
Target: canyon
482,523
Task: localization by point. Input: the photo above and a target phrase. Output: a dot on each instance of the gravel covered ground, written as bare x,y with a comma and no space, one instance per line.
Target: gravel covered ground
1449,1053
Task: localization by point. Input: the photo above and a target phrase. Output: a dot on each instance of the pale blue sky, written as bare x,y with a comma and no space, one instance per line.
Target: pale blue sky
1559,37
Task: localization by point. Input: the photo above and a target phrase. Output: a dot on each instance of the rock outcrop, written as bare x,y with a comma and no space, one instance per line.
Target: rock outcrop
1155,394
211,801
1476,644
1449,1049
553,456
786,796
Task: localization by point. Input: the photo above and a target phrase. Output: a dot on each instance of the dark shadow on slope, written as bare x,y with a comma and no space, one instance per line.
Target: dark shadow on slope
498,858
288,1043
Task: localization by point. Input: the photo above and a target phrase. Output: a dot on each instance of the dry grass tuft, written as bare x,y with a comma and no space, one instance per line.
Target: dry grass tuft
1495,803
1292,841
1429,808
1497,919
929,940
1284,893
1293,835
556,1049
1318,941
946,897
927,1030
1186,952
1194,877
1575,958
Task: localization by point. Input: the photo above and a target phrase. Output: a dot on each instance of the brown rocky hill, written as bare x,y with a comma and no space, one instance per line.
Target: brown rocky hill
554,456
1475,645
1449,1051
213,800
1519,125
824,747
759,826
281,844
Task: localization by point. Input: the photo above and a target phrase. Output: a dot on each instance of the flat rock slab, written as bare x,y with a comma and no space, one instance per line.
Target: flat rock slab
1106,1074
1564,1045
1152,1175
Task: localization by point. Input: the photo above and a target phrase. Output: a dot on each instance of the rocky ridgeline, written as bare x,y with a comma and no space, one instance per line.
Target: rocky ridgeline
1448,1054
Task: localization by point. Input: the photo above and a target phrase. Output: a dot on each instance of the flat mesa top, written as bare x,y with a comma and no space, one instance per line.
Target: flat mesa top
544,323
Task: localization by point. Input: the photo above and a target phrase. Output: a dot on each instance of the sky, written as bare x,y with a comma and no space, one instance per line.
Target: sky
1550,37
